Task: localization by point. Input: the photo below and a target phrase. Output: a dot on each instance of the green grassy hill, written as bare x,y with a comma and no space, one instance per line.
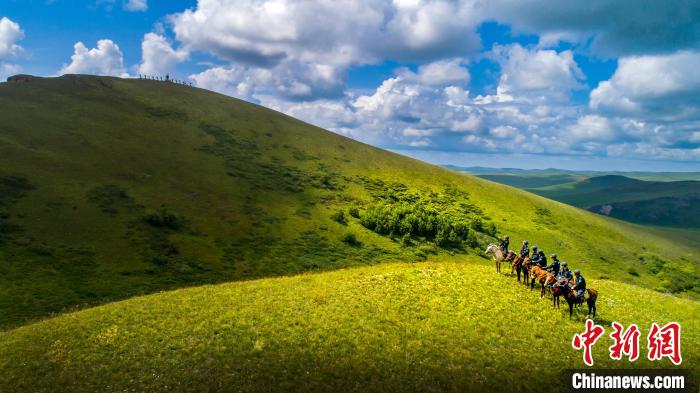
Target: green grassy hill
113,188
436,326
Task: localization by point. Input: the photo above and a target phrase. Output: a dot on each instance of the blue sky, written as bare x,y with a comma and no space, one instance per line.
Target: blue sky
606,84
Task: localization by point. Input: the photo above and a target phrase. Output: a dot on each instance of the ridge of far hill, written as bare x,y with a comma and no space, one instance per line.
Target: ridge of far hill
112,188
665,200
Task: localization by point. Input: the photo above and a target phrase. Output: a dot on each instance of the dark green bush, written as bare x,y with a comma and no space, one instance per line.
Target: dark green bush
416,220
428,249
472,240
13,188
339,217
354,212
163,218
351,239
490,229
477,225
109,197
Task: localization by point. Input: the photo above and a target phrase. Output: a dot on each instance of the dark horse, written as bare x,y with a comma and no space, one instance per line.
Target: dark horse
557,290
517,266
572,299
525,267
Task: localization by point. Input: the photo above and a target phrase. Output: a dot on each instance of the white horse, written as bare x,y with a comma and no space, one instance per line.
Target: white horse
497,254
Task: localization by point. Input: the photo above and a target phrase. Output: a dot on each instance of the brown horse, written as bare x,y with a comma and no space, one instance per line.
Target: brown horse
537,275
543,278
546,283
525,266
572,299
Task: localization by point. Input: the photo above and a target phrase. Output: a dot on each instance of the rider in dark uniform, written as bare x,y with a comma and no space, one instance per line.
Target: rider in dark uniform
542,260
554,267
504,245
564,272
524,250
579,286
535,256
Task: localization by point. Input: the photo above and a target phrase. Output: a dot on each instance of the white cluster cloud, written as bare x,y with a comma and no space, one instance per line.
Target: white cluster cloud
7,70
290,80
105,59
432,108
136,5
542,74
331,32
593,128
440,73
307,46
661,86
10,34
159,57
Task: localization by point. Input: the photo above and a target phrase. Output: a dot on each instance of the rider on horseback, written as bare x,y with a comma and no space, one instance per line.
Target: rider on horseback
542,260
535,259
564,272
554,267
504,245
524,250
579,286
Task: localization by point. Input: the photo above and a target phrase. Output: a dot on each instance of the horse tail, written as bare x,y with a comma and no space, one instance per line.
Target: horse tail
592,294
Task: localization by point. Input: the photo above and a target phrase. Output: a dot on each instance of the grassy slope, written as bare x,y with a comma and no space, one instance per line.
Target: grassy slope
255,190
397,327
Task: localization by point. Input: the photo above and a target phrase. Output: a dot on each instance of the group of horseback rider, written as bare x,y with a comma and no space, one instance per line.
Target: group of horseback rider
560,269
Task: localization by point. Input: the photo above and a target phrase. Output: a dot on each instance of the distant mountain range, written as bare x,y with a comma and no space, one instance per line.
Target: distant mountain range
651,198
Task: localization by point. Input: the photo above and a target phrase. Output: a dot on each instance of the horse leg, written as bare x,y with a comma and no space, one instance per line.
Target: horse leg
571,308
591,308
